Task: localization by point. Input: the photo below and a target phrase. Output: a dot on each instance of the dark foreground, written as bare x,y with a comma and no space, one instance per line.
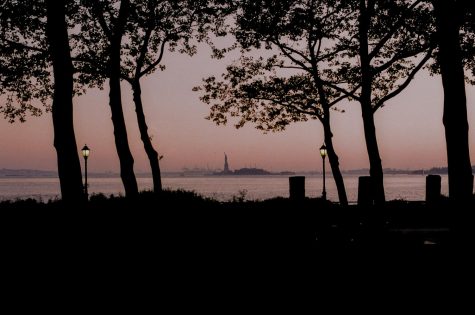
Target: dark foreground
184,220
193,253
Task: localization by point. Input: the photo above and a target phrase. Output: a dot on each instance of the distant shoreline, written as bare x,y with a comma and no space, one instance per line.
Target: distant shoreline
31,173
185,175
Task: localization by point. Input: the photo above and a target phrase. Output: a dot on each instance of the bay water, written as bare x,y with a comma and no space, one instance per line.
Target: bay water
223,188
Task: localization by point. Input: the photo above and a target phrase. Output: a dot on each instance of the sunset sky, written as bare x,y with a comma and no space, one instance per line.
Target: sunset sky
409,129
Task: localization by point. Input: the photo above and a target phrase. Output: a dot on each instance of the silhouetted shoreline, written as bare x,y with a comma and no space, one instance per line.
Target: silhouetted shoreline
33,173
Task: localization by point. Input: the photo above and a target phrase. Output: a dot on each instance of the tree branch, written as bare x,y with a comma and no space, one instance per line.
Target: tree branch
338,99
405,84
342,90
98,65
391,32
283,48
98,11
157,62
397,57
144,47
331,54
294,107
290,67
24,46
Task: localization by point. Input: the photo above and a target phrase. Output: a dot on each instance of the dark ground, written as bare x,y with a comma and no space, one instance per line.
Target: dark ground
191,252
186,220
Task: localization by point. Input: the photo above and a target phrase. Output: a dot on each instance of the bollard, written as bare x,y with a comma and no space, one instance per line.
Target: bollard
297,187
433,189
472,185
365,191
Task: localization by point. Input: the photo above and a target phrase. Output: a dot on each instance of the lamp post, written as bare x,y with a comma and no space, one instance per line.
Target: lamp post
323,154
85,153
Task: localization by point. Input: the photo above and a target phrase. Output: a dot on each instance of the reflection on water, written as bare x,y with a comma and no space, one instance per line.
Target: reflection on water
409,187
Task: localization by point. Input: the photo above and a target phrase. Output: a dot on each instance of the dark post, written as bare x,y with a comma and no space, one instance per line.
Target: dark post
85,178
472,185
323,154
324,193
297,187
85,153
365,191
432,189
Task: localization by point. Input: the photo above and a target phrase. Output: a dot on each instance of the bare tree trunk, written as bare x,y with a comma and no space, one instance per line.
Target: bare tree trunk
69,167
448,16
147,143
328,135
376,168
115,101
333,159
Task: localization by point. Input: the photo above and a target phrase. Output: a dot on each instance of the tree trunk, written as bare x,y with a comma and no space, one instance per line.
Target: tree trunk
69,167
328,135
376,169
455,121
115,101
333,159
147,143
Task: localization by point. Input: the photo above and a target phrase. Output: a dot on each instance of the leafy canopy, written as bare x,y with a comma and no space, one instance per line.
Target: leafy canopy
152,27
25,78
301,58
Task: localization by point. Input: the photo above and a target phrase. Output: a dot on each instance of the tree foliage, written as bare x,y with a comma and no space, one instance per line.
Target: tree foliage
307,43
280,86
36,72
25,74
279,78
152,28
400,42
301,58
25,64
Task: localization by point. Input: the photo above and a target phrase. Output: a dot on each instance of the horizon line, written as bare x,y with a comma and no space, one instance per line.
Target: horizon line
207,169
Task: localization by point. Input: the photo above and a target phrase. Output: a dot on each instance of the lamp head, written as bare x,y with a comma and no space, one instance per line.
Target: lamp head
85,151
323,151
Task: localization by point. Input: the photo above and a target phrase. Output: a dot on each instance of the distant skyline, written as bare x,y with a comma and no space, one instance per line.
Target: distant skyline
208,171
409,129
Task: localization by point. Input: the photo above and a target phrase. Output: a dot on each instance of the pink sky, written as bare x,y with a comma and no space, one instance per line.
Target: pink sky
409,128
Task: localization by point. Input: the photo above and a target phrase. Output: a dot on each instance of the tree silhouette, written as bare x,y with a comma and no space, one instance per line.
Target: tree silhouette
388,43
455,38
33,37
151,29
373,50
103,25
24,55
69,167
286,86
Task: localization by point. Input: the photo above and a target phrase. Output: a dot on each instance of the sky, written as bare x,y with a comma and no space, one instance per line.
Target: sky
409,129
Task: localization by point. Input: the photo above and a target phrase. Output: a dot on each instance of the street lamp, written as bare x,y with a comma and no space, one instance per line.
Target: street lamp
85,153
323,153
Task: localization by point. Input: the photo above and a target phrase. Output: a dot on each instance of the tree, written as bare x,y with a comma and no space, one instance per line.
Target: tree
34,37
152,27
389,42
450,62
104,25
372,51
287,85
150,30
69,167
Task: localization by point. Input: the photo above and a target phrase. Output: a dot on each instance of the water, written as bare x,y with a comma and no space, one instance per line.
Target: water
408,187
